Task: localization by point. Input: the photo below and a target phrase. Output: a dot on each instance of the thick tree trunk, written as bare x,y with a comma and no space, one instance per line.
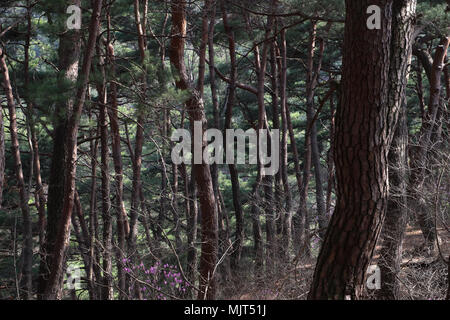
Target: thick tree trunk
68,57
362,143
202,173
63,235
27,251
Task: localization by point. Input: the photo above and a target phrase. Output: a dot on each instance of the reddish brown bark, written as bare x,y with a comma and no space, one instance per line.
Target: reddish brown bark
195,109
63,234
68,62
27,254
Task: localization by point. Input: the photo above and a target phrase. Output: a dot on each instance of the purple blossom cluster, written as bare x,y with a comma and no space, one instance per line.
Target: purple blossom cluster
163,281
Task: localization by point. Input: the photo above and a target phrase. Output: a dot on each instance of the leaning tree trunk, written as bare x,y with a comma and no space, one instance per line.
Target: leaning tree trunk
362,142
27,253
396,216
202,173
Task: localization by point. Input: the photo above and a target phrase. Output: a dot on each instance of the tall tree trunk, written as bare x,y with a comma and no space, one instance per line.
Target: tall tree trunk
202,173
396,216
93,272
234,176
123,227
2,156
137,161
63,234
68,57
39,193
363,128
303,225
107,291
27,251
287,221
315,152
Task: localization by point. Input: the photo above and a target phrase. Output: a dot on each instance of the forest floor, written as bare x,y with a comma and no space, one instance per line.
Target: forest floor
422,276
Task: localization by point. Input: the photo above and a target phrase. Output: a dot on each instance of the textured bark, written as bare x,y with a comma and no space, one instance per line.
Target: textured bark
362,143
63,234
68,57
202,173
27,251
2,156
396,216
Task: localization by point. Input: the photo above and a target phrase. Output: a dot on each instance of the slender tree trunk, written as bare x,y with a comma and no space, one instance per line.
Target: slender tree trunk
107,291
234,177
303,226
123,227
39,193
137,161
93,272
202,173
330,159
287,221
315,152
27,251
420,152
396,216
